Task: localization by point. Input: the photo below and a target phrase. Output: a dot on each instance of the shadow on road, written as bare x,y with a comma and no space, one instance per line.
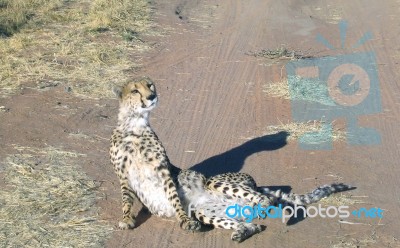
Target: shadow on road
233,160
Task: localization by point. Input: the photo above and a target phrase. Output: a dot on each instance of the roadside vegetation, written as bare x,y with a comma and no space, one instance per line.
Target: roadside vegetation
84,45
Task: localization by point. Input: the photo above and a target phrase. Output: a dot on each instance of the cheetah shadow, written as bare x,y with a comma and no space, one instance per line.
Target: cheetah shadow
233,161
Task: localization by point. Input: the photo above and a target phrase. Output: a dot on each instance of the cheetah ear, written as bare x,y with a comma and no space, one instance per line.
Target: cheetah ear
117,91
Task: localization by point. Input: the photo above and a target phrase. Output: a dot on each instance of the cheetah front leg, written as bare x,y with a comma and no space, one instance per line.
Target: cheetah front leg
128,218
185,222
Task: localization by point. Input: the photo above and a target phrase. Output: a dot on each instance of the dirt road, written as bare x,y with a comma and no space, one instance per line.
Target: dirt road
212,108
213,115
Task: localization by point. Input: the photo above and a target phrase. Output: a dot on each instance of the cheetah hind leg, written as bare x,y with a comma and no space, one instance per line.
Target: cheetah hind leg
238,186
214,215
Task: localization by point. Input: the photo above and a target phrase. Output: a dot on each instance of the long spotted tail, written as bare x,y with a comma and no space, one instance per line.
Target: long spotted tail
294,199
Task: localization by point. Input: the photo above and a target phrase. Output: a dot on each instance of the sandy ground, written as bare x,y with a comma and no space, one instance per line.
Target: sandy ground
213,115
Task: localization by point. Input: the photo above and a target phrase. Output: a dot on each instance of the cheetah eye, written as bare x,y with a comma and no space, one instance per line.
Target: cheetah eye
149,86
134,91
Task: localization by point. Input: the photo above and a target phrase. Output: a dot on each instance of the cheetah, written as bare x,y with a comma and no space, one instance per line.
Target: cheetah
145,172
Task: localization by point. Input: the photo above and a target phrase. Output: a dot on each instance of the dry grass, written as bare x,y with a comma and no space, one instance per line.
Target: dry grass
48,202
297,88
310,90
281,53
14,14
278,89
298,129
84,45
355,243
125,15
342,200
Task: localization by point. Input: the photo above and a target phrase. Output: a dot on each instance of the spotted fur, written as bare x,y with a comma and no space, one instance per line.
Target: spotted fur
144,171
140,160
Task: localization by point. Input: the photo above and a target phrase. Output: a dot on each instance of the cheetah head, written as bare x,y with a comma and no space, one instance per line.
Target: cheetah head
137,97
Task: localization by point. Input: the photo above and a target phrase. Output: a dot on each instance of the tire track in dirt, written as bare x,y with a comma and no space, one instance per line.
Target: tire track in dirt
211,78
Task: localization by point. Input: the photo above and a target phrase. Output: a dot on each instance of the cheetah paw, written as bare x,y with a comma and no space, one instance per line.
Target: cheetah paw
191,225
127,223
245,231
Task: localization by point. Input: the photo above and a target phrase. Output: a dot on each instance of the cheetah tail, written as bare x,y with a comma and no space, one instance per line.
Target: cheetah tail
306,199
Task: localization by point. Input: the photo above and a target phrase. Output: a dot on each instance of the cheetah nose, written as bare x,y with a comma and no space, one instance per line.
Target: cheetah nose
151,97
